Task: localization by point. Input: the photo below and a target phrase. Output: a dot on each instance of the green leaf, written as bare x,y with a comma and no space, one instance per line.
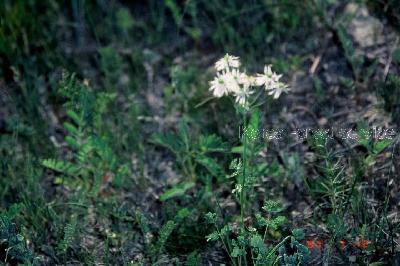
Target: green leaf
165,232
276,222
236,252
182,214
298,234
178,190
237,149
210,164
74,116
184,132
381,145
211,143
58,180
225,230
252,131
84,151
168,141
193,259
336,224
143,222
212,237
175,10
14,210
104,151
72,142
363,136
125,20
257,242
211,218
240,150
261,220
69,235
122,171
71,128
61,166
272,206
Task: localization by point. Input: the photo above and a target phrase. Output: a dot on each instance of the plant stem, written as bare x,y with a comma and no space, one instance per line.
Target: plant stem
277,246
225,246
242,191
265,233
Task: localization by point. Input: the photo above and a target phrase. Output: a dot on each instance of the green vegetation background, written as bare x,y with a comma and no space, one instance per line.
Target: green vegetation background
87,89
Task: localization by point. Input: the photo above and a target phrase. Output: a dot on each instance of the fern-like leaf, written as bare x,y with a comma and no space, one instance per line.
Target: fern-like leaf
64,167
69,236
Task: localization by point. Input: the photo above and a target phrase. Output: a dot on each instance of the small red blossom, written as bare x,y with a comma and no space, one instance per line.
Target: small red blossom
342,244
363,243
310,243
320,243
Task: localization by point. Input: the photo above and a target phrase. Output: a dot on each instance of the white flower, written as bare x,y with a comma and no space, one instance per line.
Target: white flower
246,81
227,61
278,89
233,61
231,82
262,78
269,78
242,78
235,82
224,83
251,81
217,85
242,95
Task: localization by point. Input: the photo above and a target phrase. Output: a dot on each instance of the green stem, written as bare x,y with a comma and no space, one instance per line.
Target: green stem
242,192
223,243
192,169
243,181
265,233
277,246
252,257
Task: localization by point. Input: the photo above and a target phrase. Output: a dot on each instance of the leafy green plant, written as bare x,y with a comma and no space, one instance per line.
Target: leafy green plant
373,146
164,233
97,198
93,161
70,232
301,256
192,155
230,81
12,243
185,81
330,186
156,246
251,240
335,191
124,20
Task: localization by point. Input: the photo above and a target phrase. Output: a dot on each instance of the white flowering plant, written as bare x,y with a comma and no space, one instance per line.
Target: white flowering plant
230,80
246,90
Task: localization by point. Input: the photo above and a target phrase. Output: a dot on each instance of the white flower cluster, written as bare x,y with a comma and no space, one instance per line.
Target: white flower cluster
237,189
229,80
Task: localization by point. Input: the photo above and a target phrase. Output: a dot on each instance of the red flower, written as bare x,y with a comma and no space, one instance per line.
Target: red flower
363,243
319,243
342,244
310,243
